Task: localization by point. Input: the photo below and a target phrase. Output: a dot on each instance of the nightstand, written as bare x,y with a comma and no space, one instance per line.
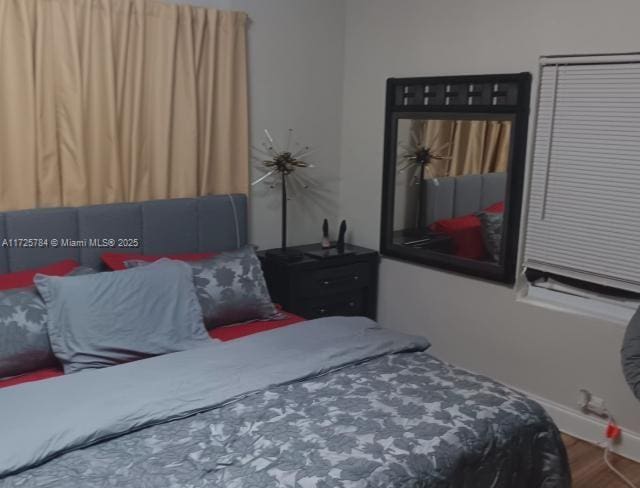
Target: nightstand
312,287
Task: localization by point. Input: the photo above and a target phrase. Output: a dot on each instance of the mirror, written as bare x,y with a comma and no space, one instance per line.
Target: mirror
451,185
453,172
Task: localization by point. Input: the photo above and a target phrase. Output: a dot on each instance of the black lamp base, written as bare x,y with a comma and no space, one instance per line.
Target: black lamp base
285,254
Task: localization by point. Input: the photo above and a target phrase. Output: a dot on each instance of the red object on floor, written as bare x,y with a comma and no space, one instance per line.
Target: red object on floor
226,333
613,431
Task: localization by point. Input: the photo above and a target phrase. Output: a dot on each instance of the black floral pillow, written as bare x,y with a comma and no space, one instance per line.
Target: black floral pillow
24,339
492,233
24,342
230,287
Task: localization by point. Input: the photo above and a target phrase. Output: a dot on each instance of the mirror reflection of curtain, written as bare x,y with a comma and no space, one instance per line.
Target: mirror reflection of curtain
474,146
107,101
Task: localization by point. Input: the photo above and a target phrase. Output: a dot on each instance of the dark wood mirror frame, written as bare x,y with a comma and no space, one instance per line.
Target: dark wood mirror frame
463,96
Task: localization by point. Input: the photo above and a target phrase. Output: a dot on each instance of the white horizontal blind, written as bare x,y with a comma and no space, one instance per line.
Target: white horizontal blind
584,202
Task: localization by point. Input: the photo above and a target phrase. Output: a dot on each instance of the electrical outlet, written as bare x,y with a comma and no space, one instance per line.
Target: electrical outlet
591,403
583,398
597,406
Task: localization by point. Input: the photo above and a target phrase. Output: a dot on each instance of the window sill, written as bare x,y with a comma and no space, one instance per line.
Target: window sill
595,307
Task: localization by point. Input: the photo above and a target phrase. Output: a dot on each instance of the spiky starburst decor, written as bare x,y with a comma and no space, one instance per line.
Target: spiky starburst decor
282,162
417,158
281,169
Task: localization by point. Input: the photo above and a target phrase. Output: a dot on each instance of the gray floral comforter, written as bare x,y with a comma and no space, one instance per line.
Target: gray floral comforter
401,420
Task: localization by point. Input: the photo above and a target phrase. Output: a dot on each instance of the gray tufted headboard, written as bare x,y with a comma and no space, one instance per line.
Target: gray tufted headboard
463,195
186,225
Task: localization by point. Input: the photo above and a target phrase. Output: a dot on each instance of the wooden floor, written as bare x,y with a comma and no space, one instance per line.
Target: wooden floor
589,470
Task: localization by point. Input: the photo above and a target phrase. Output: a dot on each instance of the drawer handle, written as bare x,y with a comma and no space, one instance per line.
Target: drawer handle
341,280
352,304
322,311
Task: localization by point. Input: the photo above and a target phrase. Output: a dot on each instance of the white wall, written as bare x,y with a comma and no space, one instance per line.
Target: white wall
301,67
296,67
472,323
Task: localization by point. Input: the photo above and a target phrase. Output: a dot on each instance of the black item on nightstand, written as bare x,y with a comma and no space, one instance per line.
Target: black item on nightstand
341,234
345,284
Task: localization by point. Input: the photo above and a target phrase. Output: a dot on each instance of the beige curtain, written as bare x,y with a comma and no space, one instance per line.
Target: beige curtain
472,146
120,100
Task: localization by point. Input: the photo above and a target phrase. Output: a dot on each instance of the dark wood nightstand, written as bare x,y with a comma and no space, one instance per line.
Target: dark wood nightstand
311,287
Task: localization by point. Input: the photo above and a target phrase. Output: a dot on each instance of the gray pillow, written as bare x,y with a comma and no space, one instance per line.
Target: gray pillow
230,287
24,342
492,232
111,318
82,270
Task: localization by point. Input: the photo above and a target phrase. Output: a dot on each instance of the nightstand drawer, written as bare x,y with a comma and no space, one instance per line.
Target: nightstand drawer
340,304
331,280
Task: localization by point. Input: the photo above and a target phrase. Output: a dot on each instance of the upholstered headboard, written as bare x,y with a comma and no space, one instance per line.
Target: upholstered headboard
186,225
462,195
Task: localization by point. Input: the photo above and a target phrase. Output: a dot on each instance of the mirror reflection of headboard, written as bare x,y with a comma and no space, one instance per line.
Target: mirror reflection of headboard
462,195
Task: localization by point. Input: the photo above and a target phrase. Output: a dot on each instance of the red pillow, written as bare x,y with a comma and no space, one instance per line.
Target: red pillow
466,233
115,261
495,208
22,279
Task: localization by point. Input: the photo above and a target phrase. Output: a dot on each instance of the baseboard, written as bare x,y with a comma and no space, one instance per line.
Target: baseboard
587,428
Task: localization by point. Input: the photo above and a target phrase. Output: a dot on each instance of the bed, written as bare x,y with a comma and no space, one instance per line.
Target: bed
337,401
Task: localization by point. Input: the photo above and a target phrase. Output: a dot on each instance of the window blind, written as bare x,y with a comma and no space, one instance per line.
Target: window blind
584,201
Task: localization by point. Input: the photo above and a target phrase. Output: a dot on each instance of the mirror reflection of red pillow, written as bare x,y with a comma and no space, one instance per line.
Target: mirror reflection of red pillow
466,233
495,208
